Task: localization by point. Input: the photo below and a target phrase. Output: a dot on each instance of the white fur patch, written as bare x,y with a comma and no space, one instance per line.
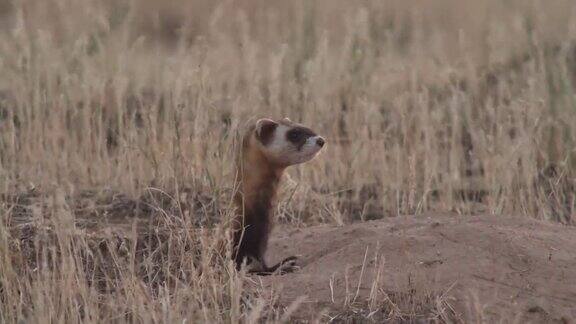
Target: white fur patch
284,152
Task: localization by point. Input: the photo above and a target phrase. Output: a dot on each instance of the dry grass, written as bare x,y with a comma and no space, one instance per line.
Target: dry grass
417,302
443,105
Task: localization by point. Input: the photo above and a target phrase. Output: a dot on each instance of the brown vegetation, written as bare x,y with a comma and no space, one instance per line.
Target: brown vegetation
119,120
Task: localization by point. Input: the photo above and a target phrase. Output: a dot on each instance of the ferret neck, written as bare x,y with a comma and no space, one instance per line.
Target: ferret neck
258,178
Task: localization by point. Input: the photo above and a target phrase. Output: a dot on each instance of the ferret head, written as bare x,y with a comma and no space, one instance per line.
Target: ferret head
286,143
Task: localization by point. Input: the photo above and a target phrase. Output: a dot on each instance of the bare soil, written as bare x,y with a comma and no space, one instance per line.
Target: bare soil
443,267
432,267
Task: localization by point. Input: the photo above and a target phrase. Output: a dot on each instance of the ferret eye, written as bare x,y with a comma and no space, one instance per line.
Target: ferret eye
295,136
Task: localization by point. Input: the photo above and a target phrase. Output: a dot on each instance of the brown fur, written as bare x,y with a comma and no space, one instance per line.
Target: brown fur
255,199
259,178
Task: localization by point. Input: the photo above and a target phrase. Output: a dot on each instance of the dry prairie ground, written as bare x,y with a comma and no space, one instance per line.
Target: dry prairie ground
433,267
119,119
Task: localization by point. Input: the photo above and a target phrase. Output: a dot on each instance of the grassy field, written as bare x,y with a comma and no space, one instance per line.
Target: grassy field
122,110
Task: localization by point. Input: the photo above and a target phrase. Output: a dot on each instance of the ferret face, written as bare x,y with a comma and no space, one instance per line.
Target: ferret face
286,143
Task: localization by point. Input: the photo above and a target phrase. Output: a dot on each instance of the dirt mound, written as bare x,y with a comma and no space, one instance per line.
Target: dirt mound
480,268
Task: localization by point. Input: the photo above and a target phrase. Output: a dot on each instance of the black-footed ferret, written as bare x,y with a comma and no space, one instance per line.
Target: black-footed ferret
268,148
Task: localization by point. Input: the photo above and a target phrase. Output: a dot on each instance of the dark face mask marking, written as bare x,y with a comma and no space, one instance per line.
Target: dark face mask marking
298,136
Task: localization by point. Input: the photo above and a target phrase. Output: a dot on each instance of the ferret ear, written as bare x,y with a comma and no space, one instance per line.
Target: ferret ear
286,119
265,130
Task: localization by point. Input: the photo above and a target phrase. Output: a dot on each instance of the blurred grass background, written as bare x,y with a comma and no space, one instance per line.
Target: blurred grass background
446,105
426,105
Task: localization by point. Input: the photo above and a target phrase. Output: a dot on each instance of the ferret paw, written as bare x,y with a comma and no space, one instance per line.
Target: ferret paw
288,265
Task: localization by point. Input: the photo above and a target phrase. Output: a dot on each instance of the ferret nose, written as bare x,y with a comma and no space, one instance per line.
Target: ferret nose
320,141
